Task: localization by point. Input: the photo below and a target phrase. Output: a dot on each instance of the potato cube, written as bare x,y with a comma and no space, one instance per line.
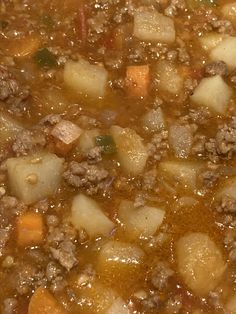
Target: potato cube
211,40
154,120
86,78
229,12
168,77
86,214
200,262
214,93
131,151
150,25
118,307
66,131
35,177
120,262
140,222
225,51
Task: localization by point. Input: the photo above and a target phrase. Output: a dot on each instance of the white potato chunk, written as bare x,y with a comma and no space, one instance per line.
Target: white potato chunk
86,214
231,304
87,140
211,40
150,25
180,139
227,189
8,127
120,262
35,177
168,77
229,12
214,93
140,222
131,151
200,262
154,120
225,51
118,307
96,298
182,172
86,78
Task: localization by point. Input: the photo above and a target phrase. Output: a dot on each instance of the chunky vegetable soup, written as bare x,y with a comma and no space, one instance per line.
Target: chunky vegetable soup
117,156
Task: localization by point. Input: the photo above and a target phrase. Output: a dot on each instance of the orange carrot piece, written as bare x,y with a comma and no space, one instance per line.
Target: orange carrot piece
43,302
29,229
138,79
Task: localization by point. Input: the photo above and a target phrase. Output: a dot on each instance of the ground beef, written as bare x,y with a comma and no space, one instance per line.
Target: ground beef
60,242
224,144
222,26
160,275
27,141
51,119
11,92
4,237
8,85
209,178
158,146
149,180
65,254
190,84
198,147
199,116
82,175
94,155
174,6
216,68
9,306
174,305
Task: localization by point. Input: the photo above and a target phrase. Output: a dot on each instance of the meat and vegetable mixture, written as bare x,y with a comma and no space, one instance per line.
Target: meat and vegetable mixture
117,156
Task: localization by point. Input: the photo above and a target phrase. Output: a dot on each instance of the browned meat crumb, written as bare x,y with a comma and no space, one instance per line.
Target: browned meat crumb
216,68
92,178
158,146
27,141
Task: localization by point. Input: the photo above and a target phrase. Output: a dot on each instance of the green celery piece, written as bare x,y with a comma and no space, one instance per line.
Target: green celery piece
44,58
107,143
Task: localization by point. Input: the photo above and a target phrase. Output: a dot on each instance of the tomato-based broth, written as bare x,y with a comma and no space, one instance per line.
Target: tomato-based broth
117,156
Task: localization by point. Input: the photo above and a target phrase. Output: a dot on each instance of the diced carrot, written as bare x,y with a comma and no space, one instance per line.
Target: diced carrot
43,302
138,79
30,229
24,46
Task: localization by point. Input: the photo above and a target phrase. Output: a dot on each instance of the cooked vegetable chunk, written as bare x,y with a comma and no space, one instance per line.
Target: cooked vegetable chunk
30,229
211,40
154,120
86,214
225,51
140,222
118,307
35,177
130,148
150,25
200,262
214,93
86,78
138,80
66,131
168,77
229,12
43,302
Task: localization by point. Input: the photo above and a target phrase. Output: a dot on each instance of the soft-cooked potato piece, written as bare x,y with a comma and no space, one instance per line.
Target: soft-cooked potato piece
227,189
183,172
154,120
35,177
118,307
168,76
200,262
30,229
86,214
214,93
87,140
43,302
131,151
150,25
225,51
96,298
143,221
211,40
180,139
120,262
86,78
66,131
8,127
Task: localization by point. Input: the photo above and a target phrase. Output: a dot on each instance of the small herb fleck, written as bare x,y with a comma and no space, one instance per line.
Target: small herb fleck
44,58
107,143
